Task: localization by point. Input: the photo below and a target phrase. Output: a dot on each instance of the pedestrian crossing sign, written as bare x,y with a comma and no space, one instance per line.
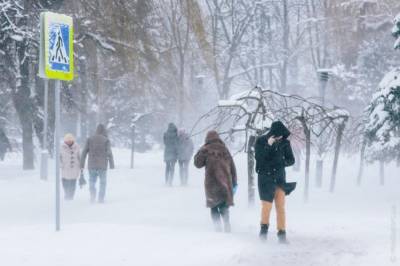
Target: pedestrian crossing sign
56,46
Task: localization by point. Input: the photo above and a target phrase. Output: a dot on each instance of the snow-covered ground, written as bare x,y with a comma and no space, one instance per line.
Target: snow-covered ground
145,223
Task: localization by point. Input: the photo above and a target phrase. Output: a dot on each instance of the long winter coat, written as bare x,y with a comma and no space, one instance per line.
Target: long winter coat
185,147
171,144
272,160
220,170
70,161
98,148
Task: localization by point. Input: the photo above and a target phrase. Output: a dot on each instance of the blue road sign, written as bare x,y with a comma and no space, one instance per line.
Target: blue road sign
59,54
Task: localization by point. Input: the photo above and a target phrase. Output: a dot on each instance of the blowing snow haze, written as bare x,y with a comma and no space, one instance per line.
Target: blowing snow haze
208,132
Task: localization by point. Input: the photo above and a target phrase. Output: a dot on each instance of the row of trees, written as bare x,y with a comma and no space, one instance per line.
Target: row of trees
172,60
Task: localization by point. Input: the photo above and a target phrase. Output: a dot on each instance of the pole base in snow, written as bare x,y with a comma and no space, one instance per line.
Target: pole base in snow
319,173
44,165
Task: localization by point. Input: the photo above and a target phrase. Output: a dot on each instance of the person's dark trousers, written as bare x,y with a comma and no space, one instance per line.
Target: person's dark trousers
218,212
184,172
69,186
169,172
2,156
95,174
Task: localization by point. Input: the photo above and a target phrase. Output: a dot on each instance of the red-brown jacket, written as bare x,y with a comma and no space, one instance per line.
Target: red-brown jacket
220,170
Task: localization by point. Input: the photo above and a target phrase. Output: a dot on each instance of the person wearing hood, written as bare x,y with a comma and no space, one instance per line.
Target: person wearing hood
98,149
170,152
185,153
273,153
70,165
220,181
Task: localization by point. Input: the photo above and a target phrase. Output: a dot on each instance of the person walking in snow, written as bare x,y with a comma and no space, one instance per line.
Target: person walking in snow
4,144
273,153
185,153
220,181
98,149
70,165
170,152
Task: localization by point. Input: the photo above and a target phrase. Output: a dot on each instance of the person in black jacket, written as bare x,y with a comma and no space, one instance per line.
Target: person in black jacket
273,153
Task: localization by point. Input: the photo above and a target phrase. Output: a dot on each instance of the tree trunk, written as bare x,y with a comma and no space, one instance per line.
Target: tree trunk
250,170
362,159
307,167
24,106
307,134
27,144
286,30
83,105
337,152
181,98
319,173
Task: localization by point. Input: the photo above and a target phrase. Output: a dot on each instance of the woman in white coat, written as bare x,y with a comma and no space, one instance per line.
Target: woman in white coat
70,165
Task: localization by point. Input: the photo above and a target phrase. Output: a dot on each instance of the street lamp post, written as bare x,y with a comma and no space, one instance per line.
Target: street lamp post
323,76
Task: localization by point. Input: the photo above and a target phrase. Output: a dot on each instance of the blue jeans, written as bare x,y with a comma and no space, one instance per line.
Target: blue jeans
93,175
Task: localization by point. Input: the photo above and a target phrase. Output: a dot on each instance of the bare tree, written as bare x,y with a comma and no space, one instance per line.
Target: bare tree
252,111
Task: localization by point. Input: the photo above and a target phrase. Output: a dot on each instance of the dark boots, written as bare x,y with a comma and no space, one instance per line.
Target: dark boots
282,237
226,220
216,218
218,212
264,231
281,234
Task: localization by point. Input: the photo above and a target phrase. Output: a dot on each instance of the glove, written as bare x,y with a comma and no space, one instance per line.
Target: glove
234,189
82,180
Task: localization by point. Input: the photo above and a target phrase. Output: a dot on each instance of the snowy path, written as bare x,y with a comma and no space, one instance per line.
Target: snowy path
145,223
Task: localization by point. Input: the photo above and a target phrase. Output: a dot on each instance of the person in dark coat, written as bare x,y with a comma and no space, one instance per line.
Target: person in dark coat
273,153
98,148
170,152
221,180
185,153
4,144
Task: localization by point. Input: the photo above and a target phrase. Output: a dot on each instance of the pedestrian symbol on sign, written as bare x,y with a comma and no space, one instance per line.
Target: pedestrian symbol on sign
58,48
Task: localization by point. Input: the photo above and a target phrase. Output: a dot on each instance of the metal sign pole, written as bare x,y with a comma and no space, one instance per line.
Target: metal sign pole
56,62
57,154
45,152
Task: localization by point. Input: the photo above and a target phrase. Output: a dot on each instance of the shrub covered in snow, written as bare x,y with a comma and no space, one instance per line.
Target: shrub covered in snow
396,31
383,127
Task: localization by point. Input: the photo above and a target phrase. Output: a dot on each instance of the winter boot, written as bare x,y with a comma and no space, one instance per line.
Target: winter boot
282,237
216,218
225,218
264,231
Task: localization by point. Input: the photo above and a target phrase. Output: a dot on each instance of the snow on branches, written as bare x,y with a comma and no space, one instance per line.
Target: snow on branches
396,31
383,127
383,121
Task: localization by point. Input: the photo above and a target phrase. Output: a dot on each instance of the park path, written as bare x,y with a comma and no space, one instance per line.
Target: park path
145,223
